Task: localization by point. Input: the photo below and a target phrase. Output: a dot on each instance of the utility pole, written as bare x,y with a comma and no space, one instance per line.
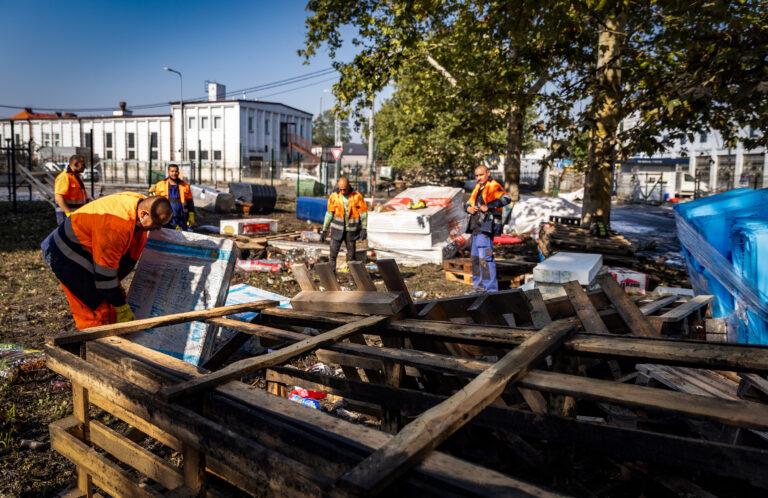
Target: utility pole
371,164
181,104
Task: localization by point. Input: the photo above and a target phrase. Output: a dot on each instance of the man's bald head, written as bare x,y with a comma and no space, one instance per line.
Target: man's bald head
482,174
343,184
153,213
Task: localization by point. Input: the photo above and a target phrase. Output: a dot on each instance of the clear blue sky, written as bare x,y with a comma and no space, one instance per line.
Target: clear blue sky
87,53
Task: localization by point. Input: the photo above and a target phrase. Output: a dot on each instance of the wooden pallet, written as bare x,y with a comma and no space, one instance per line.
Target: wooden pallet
233,435
554,238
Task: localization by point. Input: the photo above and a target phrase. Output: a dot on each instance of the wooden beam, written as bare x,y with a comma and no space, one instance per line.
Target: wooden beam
82,431
327,276
136,456
636,322
303,277
435,425
229,348
353,302
685,309
107,475
393,280
539,313
657,304
586,312
114,329
243,367
361,277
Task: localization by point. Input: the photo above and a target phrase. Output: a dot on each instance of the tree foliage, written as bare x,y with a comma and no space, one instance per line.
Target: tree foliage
323,129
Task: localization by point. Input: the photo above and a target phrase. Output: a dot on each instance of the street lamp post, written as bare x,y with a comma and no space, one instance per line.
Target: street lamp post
181,104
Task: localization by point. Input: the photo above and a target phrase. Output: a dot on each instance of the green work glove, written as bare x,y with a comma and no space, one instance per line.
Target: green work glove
191,219
124,313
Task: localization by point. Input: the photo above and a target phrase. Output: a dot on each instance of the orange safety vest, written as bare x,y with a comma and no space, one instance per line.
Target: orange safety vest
69,185
97,247
357,206
493,191
185,192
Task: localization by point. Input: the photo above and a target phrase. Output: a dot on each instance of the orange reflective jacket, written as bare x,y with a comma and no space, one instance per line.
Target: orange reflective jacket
69,185
493,191
96,247
357,207
185,193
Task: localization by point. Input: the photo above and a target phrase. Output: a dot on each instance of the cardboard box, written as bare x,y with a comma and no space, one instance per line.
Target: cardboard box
248,226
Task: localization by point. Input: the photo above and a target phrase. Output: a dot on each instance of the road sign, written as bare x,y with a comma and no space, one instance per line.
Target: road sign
336,152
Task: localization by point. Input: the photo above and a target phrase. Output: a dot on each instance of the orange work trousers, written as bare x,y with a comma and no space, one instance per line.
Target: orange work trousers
84,316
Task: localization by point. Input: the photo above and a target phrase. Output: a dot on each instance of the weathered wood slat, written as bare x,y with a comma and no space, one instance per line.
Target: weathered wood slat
586,312
353,302
539,313
657,304
243,367
327,276
635,320
303,277
685,309
361,277
158,321
435,425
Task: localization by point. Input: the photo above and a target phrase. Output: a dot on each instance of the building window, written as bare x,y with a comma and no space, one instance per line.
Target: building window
46,139
191,123
131,146
57,139
153,145
108,146
301,130
683,140
191,155
216,122
752,132
217,155
203,123
703,137
250,124
89,139
18,139
266,127
203,155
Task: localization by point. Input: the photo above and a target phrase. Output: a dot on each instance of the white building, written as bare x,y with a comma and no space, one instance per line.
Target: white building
217,136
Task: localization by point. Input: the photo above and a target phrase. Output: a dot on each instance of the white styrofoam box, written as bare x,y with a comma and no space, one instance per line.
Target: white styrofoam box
407,241
567,266
181,271
407,220
432,195
531,211
248,226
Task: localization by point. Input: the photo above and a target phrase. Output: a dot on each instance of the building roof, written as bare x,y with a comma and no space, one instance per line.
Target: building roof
239,101
28,113
355,149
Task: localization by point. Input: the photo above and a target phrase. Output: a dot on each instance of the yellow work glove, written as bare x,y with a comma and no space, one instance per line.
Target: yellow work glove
191,219
124,313
67,213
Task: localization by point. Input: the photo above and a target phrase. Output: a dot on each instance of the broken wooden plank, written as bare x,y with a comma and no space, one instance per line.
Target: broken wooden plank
657,304
635,320
230,347
360,276
539,313
435,425
586,312
327,276
243,367
353,302
685,309
158,321
303,277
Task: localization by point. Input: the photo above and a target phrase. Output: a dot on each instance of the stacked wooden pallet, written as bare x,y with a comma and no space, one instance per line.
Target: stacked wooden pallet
509,273
553,375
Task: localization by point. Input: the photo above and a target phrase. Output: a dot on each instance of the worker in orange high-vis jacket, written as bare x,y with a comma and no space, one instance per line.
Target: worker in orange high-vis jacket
178,192
485,207
347,216
68,189
96,247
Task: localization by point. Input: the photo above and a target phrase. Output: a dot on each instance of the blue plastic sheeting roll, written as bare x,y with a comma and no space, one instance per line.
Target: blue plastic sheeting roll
720,237
311,208
748,236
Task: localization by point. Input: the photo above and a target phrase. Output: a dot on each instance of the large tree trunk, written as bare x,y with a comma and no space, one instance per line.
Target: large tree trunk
607,104
512,159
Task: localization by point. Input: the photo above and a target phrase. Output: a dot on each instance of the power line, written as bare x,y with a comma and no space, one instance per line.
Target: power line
297,88
264,86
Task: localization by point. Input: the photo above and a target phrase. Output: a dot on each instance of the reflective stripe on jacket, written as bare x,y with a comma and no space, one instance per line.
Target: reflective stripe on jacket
97,247
357,207
69,185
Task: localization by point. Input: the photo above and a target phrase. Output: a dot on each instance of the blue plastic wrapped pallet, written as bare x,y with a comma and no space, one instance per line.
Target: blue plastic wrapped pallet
721,238
311,208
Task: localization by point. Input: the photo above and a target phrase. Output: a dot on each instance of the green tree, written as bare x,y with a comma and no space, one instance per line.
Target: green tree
323,129
491,58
